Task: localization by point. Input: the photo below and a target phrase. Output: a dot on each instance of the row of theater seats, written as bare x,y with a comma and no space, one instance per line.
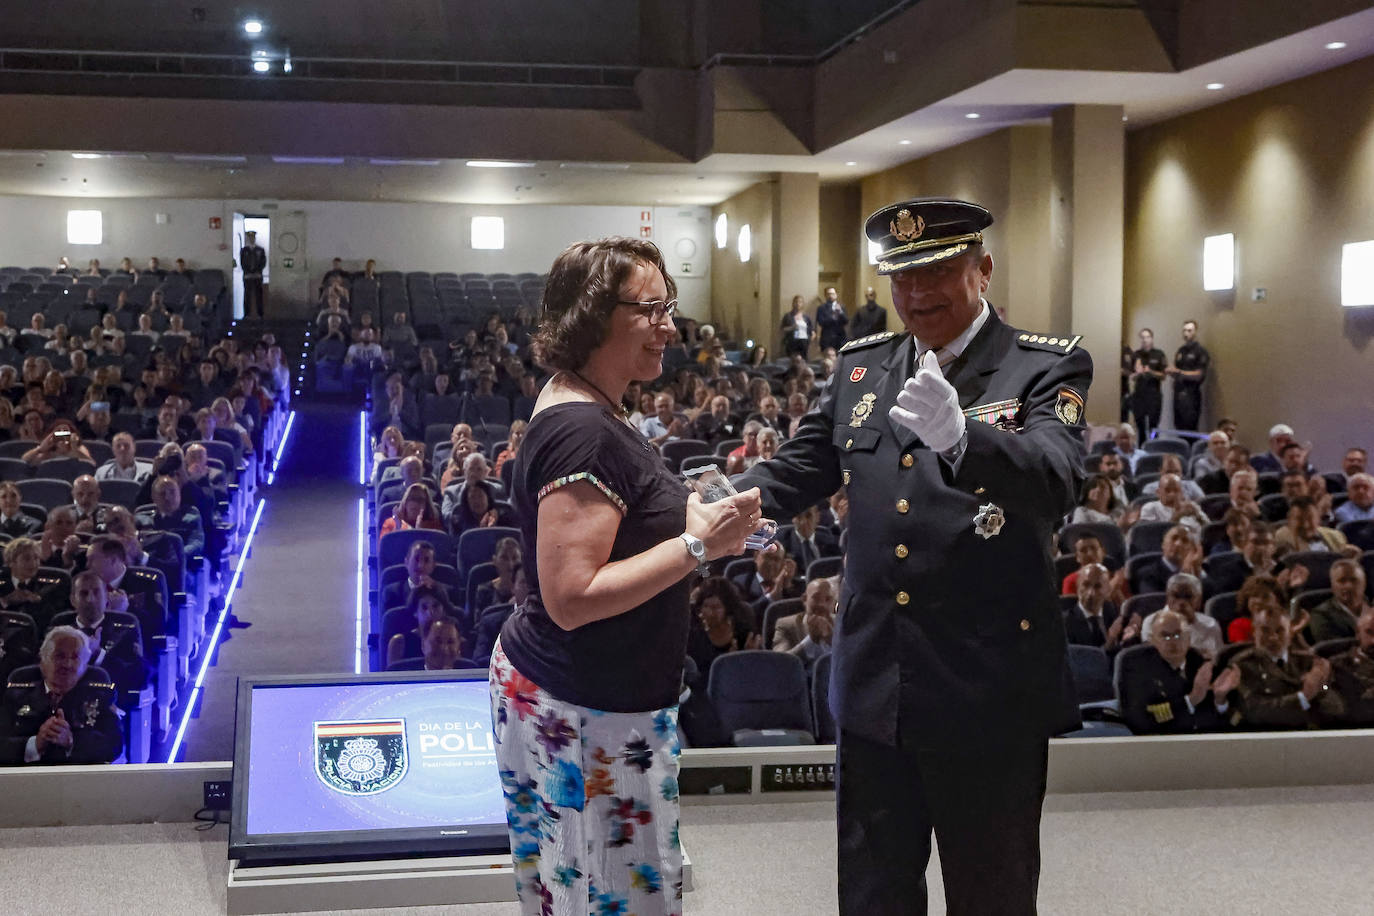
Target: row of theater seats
23,293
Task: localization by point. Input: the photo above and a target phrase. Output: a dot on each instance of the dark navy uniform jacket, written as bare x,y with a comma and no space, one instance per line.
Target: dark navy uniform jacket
88,708
943,635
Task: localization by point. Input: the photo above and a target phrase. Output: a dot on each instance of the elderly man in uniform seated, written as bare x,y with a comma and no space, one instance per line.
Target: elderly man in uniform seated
23,588
1338,616
806,634
441,644
1095,621
170,515
86,504
14,521
133,590
1360,506
124,465
1352,674
1282,686
61,710
1168,689
1184,596
116,641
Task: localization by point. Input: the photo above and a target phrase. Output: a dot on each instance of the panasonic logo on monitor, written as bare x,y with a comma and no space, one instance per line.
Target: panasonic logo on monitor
453,833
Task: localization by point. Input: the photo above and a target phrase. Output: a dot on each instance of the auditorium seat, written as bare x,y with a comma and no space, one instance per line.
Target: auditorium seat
1092,674
1146,537
46,492
1360,533
775,611
1221,608
1144,605
761,698
826,732
1318,564
1113,541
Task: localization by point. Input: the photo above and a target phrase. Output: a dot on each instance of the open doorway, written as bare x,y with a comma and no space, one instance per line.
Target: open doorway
261,225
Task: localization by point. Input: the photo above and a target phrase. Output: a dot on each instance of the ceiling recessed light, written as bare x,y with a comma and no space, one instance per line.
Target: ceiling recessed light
1334,45
973,116
261,66
87,156
903,142
498,164
253,26
1216,86
851,162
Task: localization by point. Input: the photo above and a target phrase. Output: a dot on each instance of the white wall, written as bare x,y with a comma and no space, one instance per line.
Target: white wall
401,236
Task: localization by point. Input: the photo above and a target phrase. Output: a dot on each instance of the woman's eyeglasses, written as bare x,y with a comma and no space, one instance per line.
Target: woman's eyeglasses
656,310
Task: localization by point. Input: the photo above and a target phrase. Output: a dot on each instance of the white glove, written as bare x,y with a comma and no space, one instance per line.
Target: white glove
928,405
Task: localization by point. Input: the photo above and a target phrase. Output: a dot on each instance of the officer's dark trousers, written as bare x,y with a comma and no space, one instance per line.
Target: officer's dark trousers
1146,408
252,297
981,801
1187,405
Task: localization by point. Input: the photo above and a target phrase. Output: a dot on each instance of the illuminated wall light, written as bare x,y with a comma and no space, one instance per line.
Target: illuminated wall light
88,155
851,162
1215,86
85,227
874,249
261,66
488,233
209,652
903,142
253,26
1219,262
973,116
1357,274
722,231
744,244
1334,45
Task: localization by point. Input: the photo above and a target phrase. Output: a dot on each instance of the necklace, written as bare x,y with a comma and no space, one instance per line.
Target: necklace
616,406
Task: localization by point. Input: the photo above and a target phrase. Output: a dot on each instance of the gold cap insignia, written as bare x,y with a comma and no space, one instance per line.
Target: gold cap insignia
906,227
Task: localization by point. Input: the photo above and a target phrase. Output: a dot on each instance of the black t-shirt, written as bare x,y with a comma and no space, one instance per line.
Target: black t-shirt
1192,357
631,662
1154,360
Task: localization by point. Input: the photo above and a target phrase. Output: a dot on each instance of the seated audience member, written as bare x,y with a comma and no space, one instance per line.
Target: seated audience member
62,442
415,510
398,409
1293,457
1088,550
1293,484
425,605
365,351
721,623
227,424
23,589
1338,616
14,522
1237,525
167,427
807,541
86,505
1123,488
114,636
807,633
1280,685
1168,689
1360,506
1352,674
441,647
1214,459
745,455
389,444
125,465
419,562
1181,552
1305,532
136,591
507,558
1280,435
515,437
62,710
1096,621
1172,506
1244,492
1173,464
478,508
769,414
1184,596
1126,447
1097,503
399,332
171,516
773,579
59,545
120,523
207,384
462,445
718,424
1354,462
412,471
664,424
1227,572
796,412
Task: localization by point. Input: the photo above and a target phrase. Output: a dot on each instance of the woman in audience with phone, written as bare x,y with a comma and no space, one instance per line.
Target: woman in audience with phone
586,673
62,442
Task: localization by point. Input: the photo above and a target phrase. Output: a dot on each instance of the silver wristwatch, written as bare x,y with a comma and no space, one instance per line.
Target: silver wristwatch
697,548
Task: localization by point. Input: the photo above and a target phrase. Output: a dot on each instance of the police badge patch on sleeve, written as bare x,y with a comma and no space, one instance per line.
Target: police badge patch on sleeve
1069,406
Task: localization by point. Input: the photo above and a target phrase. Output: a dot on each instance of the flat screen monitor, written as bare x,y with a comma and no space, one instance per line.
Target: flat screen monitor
386,765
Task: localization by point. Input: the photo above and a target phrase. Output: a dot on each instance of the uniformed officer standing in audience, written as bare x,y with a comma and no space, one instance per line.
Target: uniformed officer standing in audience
60,710
958,444
252,261
1189,373
1147,374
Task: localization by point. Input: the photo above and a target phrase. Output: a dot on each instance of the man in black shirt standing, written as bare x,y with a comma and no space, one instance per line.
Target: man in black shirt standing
869,318
1190,374
253,260
1148,372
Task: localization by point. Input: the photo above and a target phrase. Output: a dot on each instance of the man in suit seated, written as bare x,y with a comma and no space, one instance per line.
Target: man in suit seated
1338,616
61,710
116,640
169,515
90,511
807,634
773,579
807,541
1304,531
442,646
1280,436
1184,596
1283,687
1168,688
1180,552
1114,469
420,562
717,425
14,522
135,591
1095,621
1219,481
1227,572
1352,674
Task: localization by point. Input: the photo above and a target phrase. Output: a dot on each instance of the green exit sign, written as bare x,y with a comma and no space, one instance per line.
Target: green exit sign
288,263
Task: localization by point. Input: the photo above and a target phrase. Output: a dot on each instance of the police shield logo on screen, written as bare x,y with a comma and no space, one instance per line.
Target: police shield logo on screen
361,757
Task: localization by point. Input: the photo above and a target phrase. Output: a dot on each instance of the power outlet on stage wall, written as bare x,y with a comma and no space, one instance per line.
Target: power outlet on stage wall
217,794
807,777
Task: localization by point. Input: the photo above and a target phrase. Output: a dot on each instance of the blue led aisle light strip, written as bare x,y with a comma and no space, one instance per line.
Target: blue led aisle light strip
362,575
362,447
209,652
281,448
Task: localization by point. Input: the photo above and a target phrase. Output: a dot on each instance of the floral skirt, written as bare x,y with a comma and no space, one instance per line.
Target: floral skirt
591,800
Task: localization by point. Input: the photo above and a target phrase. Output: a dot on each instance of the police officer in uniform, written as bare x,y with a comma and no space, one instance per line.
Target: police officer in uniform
958,443
1147,374
1189,373
253,261
60,710
116,641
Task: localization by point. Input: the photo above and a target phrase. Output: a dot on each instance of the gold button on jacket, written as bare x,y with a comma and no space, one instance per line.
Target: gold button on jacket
903,598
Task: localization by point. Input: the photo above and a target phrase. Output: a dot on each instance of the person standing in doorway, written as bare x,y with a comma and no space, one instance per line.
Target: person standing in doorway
1148,371
830,315
869,318
253,261
1189,373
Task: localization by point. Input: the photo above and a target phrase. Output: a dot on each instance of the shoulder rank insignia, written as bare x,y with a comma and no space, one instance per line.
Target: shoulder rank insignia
868,341
1068,407
1060,345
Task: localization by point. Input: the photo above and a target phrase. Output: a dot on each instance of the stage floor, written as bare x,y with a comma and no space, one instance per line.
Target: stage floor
1193,852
